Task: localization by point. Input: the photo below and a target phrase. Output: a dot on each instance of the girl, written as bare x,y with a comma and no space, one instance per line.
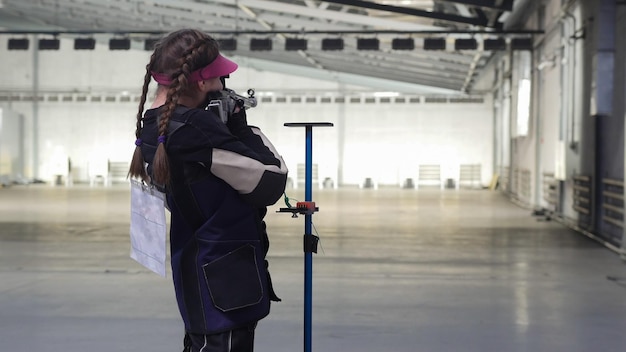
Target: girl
218,178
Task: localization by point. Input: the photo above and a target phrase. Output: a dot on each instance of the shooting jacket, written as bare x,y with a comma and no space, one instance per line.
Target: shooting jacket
221,181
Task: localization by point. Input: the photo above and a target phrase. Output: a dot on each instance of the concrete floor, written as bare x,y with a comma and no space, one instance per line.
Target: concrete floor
399,270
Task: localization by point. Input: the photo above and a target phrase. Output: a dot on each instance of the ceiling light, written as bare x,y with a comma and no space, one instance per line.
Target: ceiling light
522,44
332,44
149,44
18,44
465,44
228,44
119,44
402,44
260,44
84,44
49,44
295,44
434,43
494,44
367,44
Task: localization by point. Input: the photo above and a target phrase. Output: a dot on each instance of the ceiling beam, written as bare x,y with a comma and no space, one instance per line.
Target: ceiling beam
412,11
470,73
382,70
326,15
388,70
342,77
493,19
206,14
281,37
490,19
495,15
146,30
502,5
314,19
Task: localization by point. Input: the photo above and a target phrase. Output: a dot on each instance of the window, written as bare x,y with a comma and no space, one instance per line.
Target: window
523,93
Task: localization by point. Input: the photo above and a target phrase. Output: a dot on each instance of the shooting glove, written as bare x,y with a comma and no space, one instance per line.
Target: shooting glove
237,122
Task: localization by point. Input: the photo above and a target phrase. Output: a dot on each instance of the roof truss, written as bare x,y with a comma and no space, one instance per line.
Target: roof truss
448,70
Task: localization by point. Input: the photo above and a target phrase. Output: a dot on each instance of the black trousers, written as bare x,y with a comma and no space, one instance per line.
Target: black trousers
237,340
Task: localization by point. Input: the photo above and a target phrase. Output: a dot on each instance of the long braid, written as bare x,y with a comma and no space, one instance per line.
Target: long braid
161,170
137,168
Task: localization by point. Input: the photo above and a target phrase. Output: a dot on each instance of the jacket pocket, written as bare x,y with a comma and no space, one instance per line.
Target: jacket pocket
234,279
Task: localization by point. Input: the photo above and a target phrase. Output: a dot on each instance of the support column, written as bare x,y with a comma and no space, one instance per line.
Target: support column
621,96
601,105
341,138
538,96
35,120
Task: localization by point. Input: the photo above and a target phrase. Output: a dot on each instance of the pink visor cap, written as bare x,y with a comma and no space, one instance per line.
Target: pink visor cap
221,66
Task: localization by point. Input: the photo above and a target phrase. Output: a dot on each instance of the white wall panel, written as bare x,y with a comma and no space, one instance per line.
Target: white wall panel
72,70
384,141
551,110
10,145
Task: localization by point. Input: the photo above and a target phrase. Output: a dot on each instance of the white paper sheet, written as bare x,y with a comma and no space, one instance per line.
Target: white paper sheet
147,227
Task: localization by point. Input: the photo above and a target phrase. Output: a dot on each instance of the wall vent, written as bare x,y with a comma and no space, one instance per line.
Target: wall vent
436,100
414,100
8,96
467,100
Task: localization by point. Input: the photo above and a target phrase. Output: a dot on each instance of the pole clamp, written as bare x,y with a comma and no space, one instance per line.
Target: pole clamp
310,243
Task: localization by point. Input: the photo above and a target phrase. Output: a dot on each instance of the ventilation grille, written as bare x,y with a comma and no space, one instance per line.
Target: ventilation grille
68,98
80,98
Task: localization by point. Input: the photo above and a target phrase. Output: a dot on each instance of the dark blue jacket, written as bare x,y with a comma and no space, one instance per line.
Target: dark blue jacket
221,180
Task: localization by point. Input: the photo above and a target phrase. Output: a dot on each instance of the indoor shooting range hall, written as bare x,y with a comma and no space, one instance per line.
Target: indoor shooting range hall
455,184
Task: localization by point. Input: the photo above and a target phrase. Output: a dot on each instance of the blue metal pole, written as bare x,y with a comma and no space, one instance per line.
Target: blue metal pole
310,240
308,256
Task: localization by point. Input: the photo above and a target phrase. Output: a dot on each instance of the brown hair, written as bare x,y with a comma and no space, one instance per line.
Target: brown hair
178,54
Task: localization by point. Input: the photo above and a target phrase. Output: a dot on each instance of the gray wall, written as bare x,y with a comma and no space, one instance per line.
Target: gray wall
577,127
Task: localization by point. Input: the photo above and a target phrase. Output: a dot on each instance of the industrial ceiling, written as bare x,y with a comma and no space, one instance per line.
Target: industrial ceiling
449,71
